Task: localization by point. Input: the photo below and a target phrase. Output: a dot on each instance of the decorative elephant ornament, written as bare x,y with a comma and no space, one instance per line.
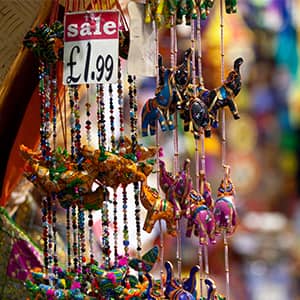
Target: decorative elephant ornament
176,188
225,215
169,93
201,219
200,108
224,210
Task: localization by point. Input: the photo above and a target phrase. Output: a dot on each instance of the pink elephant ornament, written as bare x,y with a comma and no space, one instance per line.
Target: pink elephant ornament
225,215
225,211
201,220
176,188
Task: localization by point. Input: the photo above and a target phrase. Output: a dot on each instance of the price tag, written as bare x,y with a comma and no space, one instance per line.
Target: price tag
91,47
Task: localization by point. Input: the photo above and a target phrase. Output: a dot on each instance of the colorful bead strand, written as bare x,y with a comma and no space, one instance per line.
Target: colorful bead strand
112,119
133,127
45,226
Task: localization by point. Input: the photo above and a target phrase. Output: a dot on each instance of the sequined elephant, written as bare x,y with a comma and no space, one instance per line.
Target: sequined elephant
201,219
225,210
176,188
200,108
173,83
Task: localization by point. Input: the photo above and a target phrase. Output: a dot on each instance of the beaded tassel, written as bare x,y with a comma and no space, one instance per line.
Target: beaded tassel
121,106
45,233
74,230
102,145
112,119
101,116
91,235
121,145
105,235
115,196
68,235
81,231
54,230
45,108
44,93
115,226
50,237
88,124
72,121
54,135
77,126
133,126
125,223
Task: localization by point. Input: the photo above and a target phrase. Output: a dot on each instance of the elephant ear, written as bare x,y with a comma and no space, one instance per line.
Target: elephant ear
147,262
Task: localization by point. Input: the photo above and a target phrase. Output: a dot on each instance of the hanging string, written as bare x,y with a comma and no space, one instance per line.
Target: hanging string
158,78
175,143
112,118
53,204
115,226
199,46
125,223
54,230
54,101
74,231
88,123
115,196
223,147
197,33
61,103
45,236
133,126
223,125
121,105
105,235
78,194
101,116
72,121
121,146
68,235
45,112
88,127
102,147
65,117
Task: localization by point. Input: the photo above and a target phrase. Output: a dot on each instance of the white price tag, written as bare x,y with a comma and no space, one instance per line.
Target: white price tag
91,47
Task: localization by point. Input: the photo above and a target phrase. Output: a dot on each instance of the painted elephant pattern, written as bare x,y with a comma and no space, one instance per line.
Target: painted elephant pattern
200,108
172,85
201,220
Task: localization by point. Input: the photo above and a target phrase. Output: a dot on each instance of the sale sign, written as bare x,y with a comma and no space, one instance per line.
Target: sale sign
91,47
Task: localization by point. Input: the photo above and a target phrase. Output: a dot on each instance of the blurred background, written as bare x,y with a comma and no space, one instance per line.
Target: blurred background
263,148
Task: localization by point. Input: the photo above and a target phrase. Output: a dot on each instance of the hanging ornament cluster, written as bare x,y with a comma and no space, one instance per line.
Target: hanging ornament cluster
176,93
82,178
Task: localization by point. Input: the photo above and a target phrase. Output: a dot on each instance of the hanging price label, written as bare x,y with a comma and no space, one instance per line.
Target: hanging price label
91,47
